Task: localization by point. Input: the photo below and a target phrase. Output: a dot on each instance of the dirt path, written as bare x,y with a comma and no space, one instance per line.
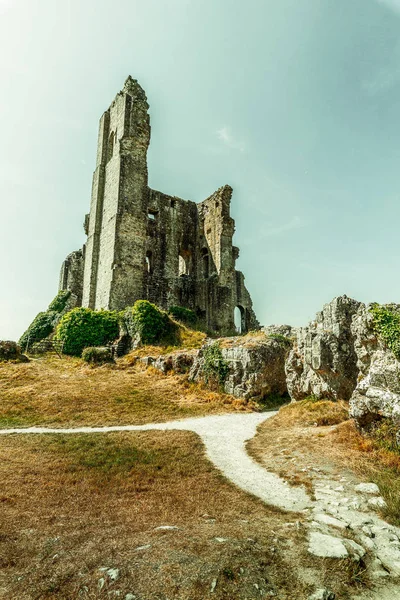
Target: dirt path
340,520
224,437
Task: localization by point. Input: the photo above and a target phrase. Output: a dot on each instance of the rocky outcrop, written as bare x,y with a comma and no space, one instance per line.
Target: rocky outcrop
256,365
340,356
377,394
323,361
179,362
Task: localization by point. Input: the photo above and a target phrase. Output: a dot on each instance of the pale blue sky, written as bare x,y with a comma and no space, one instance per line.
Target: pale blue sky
295,103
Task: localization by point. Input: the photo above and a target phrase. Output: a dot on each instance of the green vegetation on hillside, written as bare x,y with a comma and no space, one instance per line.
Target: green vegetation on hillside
83,327
151,324
185,315
44,322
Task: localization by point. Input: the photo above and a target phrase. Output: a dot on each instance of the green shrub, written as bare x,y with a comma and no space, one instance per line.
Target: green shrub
60,301
97,355
215,368
41,326
83,327
185,315
387,325
148,321
280,338
9,350
44,322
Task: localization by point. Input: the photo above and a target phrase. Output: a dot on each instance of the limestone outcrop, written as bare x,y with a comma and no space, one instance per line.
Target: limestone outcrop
377,394
323,361
341,356
256,365
179,362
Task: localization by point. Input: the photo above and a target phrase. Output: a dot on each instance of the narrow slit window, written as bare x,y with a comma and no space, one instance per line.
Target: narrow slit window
149,262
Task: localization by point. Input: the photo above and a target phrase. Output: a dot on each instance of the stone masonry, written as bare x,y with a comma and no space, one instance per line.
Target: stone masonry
143,244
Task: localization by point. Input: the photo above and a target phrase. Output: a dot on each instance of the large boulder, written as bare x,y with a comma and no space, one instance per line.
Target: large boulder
323,361
255,365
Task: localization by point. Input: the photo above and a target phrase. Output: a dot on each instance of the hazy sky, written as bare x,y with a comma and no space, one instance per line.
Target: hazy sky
295,103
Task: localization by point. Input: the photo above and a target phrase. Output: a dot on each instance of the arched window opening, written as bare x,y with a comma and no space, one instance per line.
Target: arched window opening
183,270
239,319
205,263
185,263
110,149
149,262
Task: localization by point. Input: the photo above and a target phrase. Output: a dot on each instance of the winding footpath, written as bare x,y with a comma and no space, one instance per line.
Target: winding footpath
224,437
340,521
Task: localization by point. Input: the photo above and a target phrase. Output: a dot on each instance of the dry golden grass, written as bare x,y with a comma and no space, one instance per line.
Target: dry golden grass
72,505
53,391
368,458
248,340
312,412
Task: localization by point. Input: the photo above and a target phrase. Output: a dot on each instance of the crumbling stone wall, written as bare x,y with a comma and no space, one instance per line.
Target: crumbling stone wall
71,276
143,244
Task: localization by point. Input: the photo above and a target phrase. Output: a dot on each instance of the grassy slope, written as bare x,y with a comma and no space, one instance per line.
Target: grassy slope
75,504
61,392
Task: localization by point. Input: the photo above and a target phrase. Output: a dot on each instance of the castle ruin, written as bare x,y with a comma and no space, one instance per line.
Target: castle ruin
143,244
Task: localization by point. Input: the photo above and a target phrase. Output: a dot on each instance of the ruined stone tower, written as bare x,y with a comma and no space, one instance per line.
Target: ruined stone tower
143,244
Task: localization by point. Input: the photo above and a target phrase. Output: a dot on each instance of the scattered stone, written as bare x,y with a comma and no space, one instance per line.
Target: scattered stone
390,559
367,542
326,546
354,549
113,574
367,488
327,520
130,597
221,540
322,594
100,584
377,502
145,547
377,570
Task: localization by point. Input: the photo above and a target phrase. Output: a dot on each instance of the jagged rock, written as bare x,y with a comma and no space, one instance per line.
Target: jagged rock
256,365
367,488
378,394
180,362
323,361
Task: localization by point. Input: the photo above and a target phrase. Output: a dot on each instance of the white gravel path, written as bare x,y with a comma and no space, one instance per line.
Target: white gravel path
224,437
